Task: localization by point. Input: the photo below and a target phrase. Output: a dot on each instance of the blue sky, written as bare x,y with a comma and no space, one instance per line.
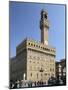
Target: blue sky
24,22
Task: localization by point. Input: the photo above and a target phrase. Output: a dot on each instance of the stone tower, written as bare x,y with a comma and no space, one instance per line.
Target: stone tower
44,26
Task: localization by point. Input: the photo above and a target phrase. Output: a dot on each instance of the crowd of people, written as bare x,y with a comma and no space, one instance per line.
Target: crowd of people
28,84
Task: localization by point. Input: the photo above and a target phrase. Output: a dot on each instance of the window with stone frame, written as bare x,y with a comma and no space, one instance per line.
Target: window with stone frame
37,75
31,74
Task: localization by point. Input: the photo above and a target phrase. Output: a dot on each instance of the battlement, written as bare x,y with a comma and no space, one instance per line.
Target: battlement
35,45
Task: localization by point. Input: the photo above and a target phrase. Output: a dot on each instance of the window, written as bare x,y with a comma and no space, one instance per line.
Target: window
45,16
31,74
35,68
43,48
34,45
30,61
41,74
37,75
45,74
49,74
29,43
53,69
64,70
39,46
30,57
34,57
50,69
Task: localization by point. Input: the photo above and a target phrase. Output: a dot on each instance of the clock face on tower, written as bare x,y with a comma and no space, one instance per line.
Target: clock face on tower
46,42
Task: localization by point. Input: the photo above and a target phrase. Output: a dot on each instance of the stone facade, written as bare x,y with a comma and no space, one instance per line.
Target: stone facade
40,61
61,68
35,60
